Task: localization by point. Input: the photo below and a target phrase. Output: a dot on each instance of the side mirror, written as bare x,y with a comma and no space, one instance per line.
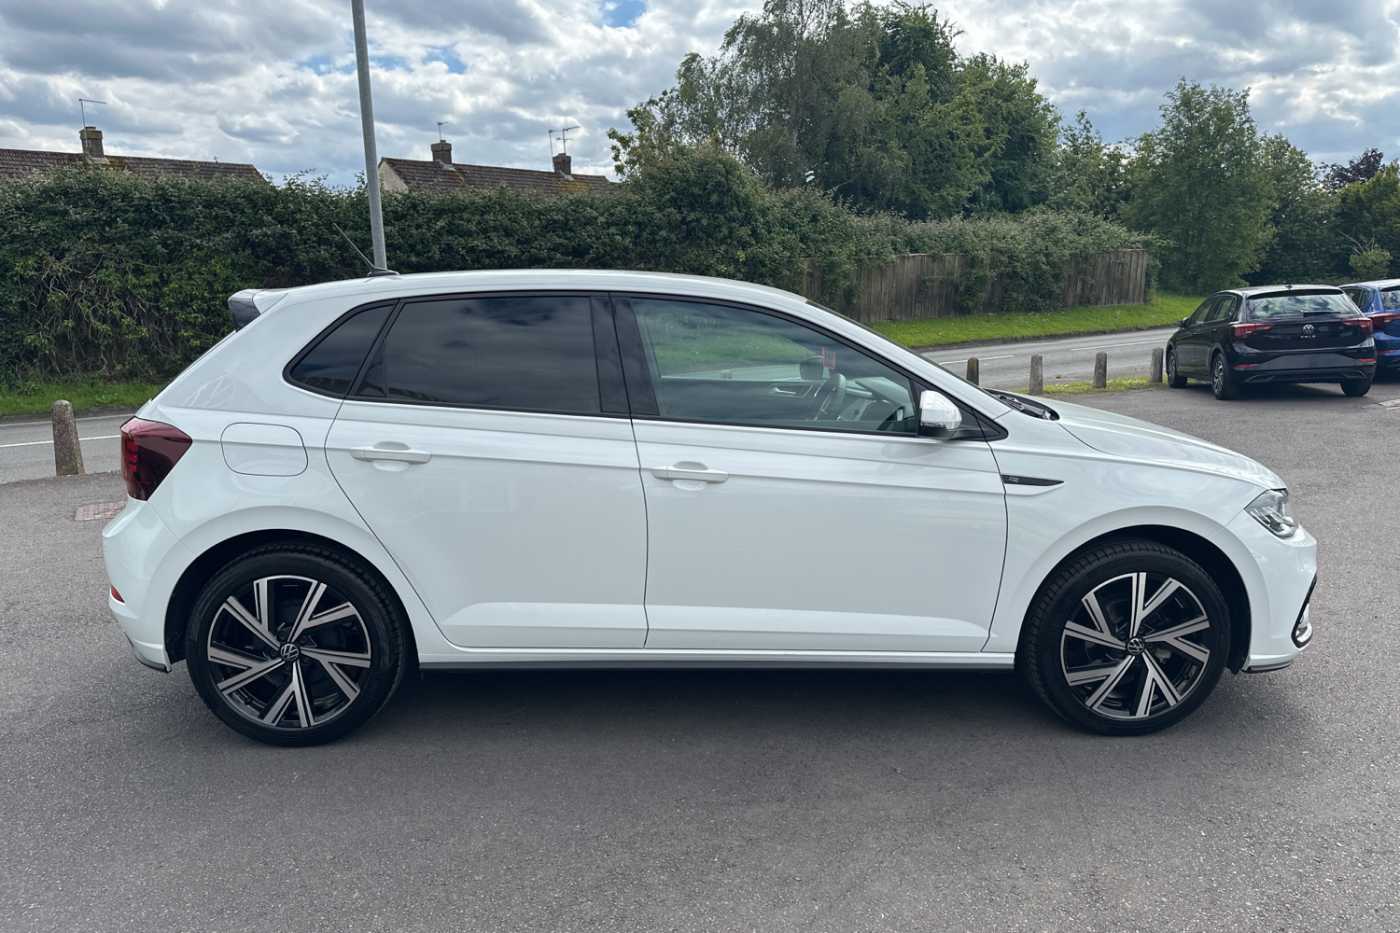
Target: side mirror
938,416
811,370
1182,322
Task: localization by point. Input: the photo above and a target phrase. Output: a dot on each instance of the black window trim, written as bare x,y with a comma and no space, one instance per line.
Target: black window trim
640,389
595,308
314,342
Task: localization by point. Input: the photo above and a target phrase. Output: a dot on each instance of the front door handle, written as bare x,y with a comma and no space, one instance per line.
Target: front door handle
689,470
397,453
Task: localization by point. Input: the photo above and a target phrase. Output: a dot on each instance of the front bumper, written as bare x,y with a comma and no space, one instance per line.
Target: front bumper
1287,570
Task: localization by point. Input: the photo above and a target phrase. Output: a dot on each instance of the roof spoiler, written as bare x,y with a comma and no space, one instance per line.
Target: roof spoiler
242,307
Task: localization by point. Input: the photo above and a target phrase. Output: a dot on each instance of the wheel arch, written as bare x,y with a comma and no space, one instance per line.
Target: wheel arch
1195,546
214,558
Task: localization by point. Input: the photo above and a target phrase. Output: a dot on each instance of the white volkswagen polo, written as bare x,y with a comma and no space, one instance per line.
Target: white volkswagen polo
626,469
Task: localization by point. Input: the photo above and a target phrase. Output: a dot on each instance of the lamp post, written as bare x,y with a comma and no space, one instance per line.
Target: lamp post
376,215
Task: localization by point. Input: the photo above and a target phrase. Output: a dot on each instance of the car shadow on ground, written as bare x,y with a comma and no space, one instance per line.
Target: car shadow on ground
1286,392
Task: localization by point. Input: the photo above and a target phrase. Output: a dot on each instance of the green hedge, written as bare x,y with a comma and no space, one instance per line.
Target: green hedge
105,273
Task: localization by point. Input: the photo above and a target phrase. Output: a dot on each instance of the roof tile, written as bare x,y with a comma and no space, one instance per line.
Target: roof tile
436,177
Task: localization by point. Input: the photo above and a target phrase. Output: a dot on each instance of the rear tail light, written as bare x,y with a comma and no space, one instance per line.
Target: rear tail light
1244,330
1384,319
1364,323
150,451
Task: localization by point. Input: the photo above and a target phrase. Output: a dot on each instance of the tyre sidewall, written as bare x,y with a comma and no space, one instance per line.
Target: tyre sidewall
1151,559
387,646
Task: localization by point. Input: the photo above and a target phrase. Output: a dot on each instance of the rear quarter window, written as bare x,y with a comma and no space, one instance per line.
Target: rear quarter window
329,365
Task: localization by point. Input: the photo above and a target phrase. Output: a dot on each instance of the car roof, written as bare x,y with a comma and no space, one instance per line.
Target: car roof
395,286
1377,283
1266,289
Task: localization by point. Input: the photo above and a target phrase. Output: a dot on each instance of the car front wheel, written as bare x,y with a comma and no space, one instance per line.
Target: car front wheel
1127,638
295,645
1174,378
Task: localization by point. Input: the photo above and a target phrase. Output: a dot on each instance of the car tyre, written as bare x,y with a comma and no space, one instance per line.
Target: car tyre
1222,381
294,644
1355,388
1174,378
1083,653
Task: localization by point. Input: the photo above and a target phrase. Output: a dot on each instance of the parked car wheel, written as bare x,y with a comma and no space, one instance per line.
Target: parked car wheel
293,645
1126,639
1222,382
1355,388
1174,378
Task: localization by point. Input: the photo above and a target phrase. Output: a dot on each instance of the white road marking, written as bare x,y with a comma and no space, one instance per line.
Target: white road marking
100,437
42,421
1009,356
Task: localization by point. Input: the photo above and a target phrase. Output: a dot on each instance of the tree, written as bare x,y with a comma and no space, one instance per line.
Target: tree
872,104
1362,168
1368,212
1088,175
1200,184
1304,244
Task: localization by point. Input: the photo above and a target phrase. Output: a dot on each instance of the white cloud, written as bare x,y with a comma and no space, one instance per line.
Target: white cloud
272,81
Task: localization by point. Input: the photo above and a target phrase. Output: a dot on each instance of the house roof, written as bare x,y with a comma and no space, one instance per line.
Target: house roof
16,163
440,177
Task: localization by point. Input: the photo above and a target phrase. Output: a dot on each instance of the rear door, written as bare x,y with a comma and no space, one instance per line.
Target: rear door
791,503
487,445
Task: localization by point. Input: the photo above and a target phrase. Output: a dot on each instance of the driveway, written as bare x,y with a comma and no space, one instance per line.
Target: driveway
713,800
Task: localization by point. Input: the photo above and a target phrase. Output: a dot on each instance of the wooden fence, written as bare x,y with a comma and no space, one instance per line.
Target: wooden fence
922,285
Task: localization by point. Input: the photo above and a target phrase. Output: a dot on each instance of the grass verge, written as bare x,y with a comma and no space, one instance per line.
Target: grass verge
1114,385
1161,311
87,396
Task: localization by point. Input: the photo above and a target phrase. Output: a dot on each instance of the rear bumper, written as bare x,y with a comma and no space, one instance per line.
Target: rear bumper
1250,374
133,545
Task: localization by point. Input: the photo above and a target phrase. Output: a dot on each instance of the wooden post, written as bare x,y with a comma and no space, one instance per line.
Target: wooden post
67,452
1101,370
1037,384
974,370
1155,374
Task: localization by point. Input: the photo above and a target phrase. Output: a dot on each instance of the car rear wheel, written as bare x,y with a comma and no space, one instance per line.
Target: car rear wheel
294,645
1126,639
1222,381
1174,379
1355,388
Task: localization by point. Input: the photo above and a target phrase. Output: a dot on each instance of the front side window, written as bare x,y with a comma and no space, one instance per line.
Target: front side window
730,365
525,353
330,365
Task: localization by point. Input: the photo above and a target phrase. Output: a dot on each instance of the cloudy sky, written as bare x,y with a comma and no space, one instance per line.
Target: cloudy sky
272,82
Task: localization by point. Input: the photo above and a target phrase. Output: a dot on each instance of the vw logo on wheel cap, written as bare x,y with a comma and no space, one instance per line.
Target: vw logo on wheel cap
289,652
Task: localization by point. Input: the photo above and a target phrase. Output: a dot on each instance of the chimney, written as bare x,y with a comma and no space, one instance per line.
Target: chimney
91,138
563,164
442,152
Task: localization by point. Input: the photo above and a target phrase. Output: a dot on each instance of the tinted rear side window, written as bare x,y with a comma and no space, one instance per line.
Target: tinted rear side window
331,364
529,353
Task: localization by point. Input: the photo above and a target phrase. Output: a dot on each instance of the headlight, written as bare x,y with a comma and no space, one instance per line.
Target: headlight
1270,509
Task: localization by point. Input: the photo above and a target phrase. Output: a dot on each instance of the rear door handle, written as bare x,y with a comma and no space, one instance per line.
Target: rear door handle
687,470
398,454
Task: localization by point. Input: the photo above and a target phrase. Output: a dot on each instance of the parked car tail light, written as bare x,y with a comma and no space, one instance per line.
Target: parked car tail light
1244,330
1384,319
1364,323
150,450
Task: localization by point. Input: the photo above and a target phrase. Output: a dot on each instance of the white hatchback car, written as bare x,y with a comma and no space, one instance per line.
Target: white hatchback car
618,469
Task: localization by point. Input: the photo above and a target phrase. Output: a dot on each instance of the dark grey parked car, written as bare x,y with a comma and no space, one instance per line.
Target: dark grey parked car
1274,333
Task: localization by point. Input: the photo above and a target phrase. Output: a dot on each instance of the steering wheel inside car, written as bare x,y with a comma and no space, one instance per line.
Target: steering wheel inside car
835,400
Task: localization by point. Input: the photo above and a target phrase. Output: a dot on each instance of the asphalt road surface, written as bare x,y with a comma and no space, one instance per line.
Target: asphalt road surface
26,447
1067,359
768,801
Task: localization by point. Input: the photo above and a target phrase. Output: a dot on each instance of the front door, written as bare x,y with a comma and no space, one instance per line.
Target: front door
488,448
791,503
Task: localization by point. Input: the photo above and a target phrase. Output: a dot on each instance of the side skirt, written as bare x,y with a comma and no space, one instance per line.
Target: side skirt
662,658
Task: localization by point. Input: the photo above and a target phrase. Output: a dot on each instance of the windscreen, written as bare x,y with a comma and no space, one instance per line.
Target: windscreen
1390,299
1298,304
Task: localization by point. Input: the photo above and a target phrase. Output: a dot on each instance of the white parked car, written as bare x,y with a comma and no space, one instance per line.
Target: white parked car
627,469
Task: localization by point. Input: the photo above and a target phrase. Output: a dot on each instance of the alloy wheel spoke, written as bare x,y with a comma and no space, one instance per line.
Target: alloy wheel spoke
343,611
1089,675
1091,605
1198,624
246,677
1158,677
1158,598
305,716
236,609
279,705
348,658
1110,683
1093,636
1139,587
345,685
308,607
233,658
